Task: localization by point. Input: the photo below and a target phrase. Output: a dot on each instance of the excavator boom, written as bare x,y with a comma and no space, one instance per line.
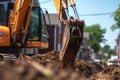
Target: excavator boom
73,32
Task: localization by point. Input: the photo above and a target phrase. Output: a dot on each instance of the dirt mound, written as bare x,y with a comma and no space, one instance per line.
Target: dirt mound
46,67
85,69
109,73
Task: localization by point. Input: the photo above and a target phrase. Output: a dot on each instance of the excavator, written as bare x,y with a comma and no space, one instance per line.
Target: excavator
27,29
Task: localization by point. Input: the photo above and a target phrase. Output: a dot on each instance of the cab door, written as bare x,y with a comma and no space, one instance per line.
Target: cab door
37,32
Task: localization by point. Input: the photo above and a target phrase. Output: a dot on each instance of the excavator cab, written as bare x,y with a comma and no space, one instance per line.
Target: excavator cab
37,36
37,30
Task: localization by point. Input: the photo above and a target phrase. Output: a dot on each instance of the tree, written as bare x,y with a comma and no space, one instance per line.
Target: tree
106,52
96,36
116,16
107,49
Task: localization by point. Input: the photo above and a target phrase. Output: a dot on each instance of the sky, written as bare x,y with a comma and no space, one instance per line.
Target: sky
85,7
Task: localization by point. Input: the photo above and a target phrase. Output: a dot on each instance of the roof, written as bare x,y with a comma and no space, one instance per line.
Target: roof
54,19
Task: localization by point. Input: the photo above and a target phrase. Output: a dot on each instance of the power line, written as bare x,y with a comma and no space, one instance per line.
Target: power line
98,14
45,1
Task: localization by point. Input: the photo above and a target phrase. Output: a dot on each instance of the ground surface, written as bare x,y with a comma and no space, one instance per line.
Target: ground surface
48,67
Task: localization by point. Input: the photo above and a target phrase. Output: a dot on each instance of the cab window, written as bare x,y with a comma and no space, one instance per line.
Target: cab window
37,29
44,28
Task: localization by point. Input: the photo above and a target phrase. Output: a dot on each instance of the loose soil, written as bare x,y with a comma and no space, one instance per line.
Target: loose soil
48,67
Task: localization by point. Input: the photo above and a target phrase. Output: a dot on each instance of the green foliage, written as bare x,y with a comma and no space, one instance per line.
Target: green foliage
116,16
96,36
110,52
107,50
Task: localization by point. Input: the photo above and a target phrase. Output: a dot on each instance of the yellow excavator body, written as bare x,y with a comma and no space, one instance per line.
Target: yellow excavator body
25,27
4,36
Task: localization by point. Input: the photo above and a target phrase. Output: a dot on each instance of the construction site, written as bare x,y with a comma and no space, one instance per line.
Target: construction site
40,46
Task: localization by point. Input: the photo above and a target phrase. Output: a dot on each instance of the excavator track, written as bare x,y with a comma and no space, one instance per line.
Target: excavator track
72,38
7,56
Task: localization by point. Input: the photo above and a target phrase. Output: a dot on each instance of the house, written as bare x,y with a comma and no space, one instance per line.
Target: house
84,49
55,31
117,48
85,52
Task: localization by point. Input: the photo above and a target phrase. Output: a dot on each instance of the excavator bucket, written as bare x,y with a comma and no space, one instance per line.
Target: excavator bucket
72,38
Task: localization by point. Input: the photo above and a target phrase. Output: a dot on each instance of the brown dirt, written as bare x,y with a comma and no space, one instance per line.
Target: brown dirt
109,73
48,67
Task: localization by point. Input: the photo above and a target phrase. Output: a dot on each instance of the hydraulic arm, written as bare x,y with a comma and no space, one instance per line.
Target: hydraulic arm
73,31
17,17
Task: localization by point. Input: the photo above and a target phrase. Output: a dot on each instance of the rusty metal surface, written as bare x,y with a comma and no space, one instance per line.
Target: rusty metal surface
72,39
